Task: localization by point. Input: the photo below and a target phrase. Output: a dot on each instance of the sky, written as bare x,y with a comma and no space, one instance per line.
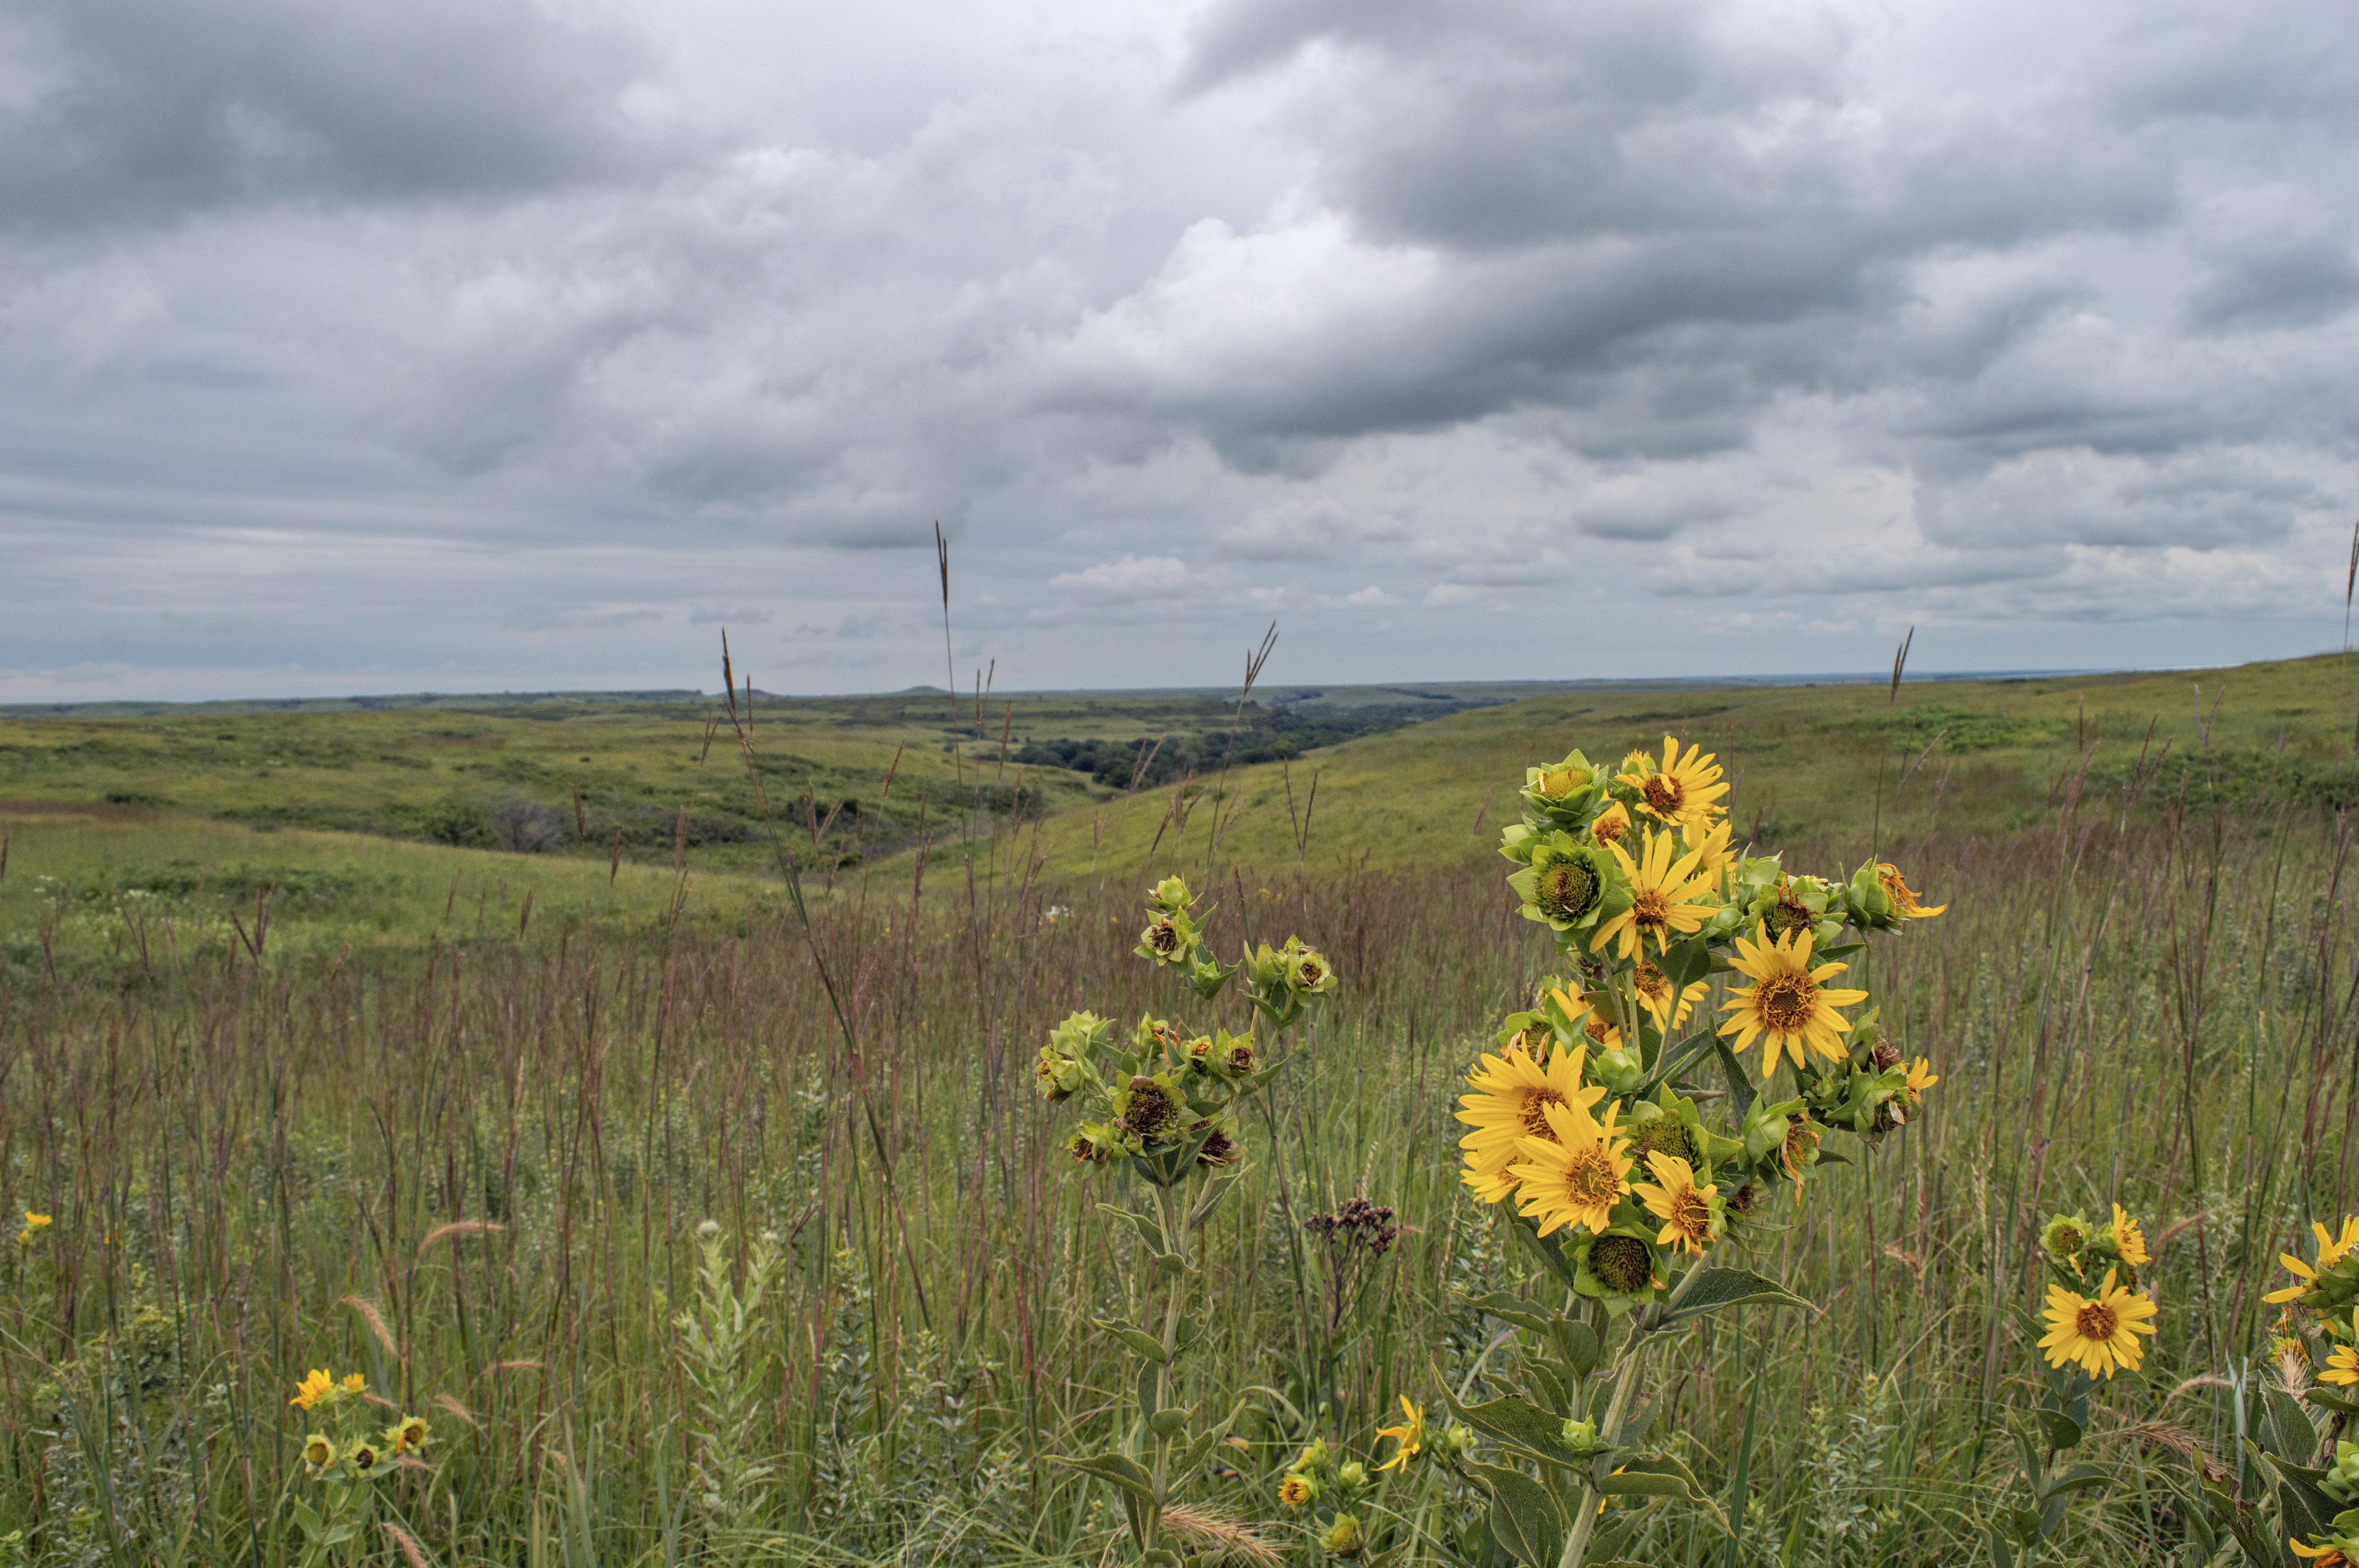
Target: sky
395,345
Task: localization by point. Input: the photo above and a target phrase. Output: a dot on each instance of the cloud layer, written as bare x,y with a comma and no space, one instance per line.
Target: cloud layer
358,346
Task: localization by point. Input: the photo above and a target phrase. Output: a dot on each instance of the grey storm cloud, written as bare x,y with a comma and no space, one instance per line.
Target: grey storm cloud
532,318
116,110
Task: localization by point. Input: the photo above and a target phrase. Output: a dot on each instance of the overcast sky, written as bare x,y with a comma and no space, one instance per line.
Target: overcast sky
380,345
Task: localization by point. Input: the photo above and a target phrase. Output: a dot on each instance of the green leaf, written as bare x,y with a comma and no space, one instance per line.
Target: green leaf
1718,1288
2296,1433
1147,1401
1514,1309
1149,1228
1192,1457
2060,1430
1578,1342
1138,1342
1170,1423
2079,1478
1687,962
1524,1521
1515,1421
1547,1251
1663,1478
2332,1401
2002,1551
1121,1469
1740,1088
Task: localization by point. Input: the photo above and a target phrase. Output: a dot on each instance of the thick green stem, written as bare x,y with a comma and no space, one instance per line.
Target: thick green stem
1609,1432
1175,1240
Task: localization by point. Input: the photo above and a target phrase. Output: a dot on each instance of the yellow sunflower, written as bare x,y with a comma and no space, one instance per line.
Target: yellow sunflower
1683,790
2343,1365
1595,1023
1655,994
1575,1175
1613,826
2330,1555
2128,1239
1903,897
1923,1078
316,1386
1409,1434
1690,1213
2099,1333
1512,1093
2331,1250
1789,1002
1663,891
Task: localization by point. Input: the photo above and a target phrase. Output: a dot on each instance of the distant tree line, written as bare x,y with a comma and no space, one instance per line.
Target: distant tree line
1265,735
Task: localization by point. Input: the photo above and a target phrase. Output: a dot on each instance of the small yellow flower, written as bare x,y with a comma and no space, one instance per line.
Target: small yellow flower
1612,825
2330,1555
33,1223
1684,789
2343,1365
2100,1333
1574,1176
1904,898
316,1386
1296,1491
354,1382
2331,1250
1790,1002
1656,995
1512,1093
1690,1213
1666,889
1923,1078
410,1436
1409,1434
2128,1239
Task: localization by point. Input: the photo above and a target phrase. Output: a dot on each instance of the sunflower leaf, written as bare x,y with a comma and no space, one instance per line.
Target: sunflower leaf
1548,1253
1678,1059
1685,963
2060,1430
1123,1471
1664,1477
2296,1435
1513,1309
1515,1421
1740,1088
1524,1521
1718,1288
1138,1341
2326,1401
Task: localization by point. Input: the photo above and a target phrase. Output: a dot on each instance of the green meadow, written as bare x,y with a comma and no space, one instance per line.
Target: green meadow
344,1040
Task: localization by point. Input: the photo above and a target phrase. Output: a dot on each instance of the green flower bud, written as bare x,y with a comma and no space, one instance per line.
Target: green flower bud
1350,1475
1342,1538
1579,1439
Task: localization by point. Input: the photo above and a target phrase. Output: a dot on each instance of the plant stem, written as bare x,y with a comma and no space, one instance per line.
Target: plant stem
1174,1241
1625,1388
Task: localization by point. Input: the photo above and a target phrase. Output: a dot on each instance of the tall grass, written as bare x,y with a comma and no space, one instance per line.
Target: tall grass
478,1176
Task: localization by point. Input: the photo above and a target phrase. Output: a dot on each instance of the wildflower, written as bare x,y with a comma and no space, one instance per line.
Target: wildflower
1904,899
1570,886
1669,1005
318,1451
2338,1550
1579,1439
1921,1077
1712,851
1565,791
1788,1002
1683,791
2099,1333
2064,1239
1147,1109
409,1436
1574,1176
1219,1150
1409,1434
2332,1250
1350,1475
1297,1491
1691,1214
354,1382
1093,1143
1311,972
365,1458
1510,1104
1663,894
1612,825
1616,1267
2343,1365
708,1230
316,1386
2129,1242
34,1223
1458,1442
1342,1537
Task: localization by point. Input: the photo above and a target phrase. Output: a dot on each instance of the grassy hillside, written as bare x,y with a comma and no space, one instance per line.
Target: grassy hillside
1806,761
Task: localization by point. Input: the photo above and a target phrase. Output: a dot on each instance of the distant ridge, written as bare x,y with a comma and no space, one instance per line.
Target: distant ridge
1462,693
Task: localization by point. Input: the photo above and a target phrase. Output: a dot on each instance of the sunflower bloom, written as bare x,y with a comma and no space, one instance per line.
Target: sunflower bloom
1664,892
1711,849
1574,1176
2343,1365
2129,1241
1409,1434
1613,826
316,1386
1656,995
2330,1555
34,1223
1512,1094
1690,1213
1585,1015
1789,1002
1683,791
2331,1251
2098,1332
354,1382
1923,1078
1903,897
1297,1491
